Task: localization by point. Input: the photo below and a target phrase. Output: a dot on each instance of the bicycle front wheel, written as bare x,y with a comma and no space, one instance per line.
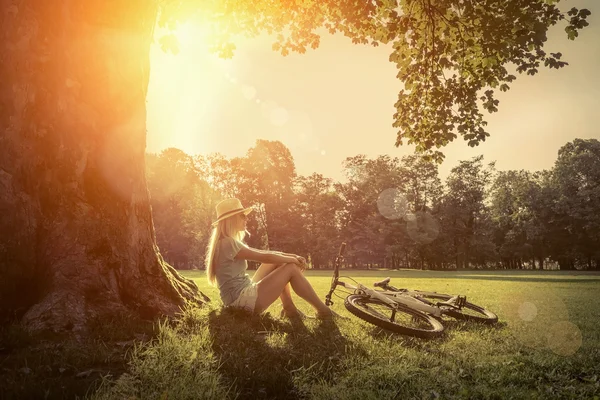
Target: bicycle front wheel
469,312
400,319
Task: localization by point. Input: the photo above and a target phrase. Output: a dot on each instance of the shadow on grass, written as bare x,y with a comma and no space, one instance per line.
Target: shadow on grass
450,325
261,355
50,366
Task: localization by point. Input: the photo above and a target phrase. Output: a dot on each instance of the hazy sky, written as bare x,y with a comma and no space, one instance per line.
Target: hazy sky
338,101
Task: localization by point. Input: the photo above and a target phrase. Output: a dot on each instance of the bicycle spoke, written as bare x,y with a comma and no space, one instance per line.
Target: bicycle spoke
469,311
387,313
376,313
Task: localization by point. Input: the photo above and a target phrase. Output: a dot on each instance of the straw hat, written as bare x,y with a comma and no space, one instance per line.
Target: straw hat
229,207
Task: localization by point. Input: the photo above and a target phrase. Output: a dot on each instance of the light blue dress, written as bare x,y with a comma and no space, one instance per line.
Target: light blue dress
230,273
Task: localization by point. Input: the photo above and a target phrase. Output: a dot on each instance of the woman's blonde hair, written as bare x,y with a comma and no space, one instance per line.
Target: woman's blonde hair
225,228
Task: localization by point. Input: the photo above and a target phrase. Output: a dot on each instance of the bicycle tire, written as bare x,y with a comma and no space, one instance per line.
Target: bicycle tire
481,314
423,326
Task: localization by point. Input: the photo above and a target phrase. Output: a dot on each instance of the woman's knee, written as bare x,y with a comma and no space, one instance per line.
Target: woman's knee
265,266
292,269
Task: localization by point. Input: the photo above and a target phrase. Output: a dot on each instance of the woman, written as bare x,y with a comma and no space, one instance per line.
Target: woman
226,261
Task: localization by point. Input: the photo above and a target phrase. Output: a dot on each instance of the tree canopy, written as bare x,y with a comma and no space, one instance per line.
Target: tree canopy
393,213
452,55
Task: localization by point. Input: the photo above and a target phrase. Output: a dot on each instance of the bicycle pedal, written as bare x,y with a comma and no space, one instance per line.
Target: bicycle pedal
383,283
456,302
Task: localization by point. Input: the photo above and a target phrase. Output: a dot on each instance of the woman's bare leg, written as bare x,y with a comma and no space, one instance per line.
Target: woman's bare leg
271,286
285,296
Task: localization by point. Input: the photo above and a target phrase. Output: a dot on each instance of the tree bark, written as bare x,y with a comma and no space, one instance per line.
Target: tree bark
77,241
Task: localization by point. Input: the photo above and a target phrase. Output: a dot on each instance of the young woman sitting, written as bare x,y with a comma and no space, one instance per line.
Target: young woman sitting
226,261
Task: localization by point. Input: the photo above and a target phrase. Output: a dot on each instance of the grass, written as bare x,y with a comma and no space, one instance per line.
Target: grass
49,367
546,345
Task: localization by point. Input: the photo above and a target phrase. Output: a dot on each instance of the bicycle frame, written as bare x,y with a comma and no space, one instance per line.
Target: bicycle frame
393,298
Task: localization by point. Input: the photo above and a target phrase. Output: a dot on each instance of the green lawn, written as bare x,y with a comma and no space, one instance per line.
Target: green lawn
546,345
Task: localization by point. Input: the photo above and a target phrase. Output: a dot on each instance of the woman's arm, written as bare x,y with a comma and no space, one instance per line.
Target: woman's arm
301,259
267,257
282,253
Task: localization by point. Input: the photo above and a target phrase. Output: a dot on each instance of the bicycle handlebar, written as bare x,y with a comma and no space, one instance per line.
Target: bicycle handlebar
342,249
336,273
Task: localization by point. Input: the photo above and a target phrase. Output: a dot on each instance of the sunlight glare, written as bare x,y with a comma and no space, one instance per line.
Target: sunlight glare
185,33
184,91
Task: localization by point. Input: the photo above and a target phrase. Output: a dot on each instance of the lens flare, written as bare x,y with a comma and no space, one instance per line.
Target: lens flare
279,116
422,227
392,204
531,313
249,92
527,311
564,338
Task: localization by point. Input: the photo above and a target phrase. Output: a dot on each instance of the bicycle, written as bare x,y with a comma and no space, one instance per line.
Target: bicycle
409,312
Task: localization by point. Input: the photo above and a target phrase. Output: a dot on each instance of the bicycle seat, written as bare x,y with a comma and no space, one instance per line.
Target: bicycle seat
382,283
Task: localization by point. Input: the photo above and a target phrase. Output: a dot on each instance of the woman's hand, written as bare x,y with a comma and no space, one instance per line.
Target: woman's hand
292,259
295,259
301,262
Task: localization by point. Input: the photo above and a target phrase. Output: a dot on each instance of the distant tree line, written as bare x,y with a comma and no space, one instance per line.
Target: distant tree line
393,213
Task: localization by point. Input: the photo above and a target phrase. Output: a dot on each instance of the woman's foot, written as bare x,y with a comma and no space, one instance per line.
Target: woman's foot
293,314
328,315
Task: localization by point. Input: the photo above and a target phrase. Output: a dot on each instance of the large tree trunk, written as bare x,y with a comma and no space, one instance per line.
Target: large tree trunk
77,241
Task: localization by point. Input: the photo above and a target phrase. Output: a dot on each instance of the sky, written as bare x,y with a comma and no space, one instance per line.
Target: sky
338,101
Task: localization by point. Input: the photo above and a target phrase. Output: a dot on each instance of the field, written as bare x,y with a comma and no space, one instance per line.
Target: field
546,345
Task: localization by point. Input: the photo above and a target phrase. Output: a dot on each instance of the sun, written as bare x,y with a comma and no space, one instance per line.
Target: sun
184,91
190,35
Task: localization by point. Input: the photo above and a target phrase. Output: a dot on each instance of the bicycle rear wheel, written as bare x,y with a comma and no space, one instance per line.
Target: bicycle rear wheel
469,312
402,319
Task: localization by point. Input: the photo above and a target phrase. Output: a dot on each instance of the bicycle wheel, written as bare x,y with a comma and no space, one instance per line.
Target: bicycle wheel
402,319
469,312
